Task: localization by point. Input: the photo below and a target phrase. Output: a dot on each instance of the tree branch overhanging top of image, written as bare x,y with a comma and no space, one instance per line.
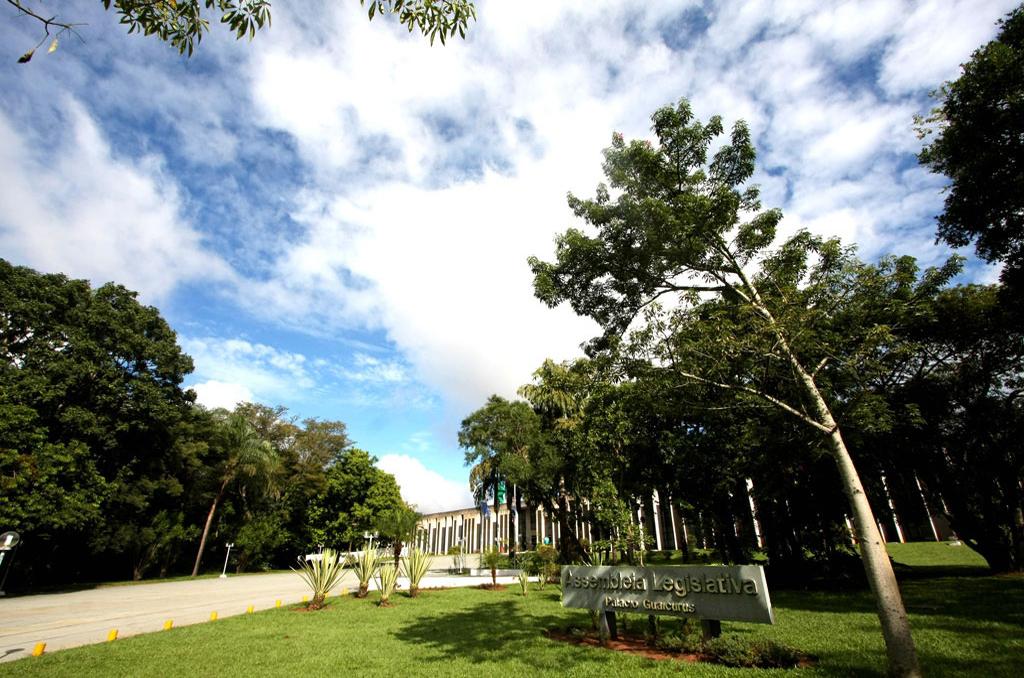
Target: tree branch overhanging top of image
182,23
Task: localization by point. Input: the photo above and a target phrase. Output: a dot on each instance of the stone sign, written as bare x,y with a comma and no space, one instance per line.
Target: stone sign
719,592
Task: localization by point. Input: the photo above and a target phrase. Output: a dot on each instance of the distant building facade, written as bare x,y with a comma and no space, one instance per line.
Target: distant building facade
662,522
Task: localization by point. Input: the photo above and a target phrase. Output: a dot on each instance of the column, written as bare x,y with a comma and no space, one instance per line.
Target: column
656,518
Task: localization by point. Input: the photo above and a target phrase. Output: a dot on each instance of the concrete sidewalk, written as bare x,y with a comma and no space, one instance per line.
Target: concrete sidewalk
63,620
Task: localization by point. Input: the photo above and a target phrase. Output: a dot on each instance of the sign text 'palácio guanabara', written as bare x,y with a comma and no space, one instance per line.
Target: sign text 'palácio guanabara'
723,592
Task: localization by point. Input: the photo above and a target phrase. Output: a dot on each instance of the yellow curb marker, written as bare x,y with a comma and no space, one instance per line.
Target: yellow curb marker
168,624
342,592
112,636
305,599
39,649
248,610
277,603
213,616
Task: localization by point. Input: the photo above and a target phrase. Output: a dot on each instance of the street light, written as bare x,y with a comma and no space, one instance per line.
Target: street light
224,573
8,543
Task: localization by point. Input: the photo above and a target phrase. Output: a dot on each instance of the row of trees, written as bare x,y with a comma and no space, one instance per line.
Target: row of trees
726,359
108,469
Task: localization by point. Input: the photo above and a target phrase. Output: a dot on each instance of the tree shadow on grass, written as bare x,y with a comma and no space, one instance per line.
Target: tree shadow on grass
964,626
494,632
988,599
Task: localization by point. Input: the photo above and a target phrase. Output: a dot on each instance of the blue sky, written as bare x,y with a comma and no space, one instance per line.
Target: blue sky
336,216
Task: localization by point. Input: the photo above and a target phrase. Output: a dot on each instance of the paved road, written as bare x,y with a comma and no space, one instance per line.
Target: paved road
63,620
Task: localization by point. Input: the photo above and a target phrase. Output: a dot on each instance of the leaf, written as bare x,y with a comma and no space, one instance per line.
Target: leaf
53,47
26,57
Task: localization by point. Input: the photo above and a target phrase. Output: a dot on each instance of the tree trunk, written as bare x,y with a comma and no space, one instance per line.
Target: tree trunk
899,644
206,528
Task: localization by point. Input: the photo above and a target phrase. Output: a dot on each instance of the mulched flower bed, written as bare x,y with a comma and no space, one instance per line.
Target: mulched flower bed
638,645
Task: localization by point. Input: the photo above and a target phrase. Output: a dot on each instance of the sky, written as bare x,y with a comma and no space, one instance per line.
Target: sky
336,216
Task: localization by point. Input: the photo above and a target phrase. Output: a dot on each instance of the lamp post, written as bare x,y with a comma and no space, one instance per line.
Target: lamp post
8,543
224,572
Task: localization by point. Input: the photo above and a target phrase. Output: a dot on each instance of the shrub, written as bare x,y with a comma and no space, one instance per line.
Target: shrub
416,566
773,655
366,567
459,559
387,581
761,653
321,574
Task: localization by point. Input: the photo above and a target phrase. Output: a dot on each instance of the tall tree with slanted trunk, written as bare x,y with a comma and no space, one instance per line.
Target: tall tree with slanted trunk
248,457
684,228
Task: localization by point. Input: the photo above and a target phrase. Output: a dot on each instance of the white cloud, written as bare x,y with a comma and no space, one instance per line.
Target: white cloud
213,394
935,39
230,367
81,210
437,259
375,370
429,491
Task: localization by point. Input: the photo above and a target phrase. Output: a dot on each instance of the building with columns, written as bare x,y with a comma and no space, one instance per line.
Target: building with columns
663,526
469,528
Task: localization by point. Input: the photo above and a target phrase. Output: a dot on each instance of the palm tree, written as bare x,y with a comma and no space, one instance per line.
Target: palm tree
248,457
558,395
399,525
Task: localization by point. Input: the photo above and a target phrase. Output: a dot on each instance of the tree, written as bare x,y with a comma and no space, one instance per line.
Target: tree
498,439
356,493
182,23
247,457
979,145
676,228
398,526
90,409
961,440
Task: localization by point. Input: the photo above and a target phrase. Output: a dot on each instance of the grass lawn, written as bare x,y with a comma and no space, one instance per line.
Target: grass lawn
964,626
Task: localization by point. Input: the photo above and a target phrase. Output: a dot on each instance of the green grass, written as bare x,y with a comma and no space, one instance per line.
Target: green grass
931,559
963,626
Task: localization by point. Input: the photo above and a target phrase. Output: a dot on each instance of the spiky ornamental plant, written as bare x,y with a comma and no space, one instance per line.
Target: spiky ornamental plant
524,581
387,581
366,567
321,574
415,567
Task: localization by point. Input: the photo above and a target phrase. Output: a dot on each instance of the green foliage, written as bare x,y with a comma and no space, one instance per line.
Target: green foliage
322,574
91,407
356,494
415,568
366,566
182,23
542,563
387,581
762,653
978,143
440,19
498,439
259,539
